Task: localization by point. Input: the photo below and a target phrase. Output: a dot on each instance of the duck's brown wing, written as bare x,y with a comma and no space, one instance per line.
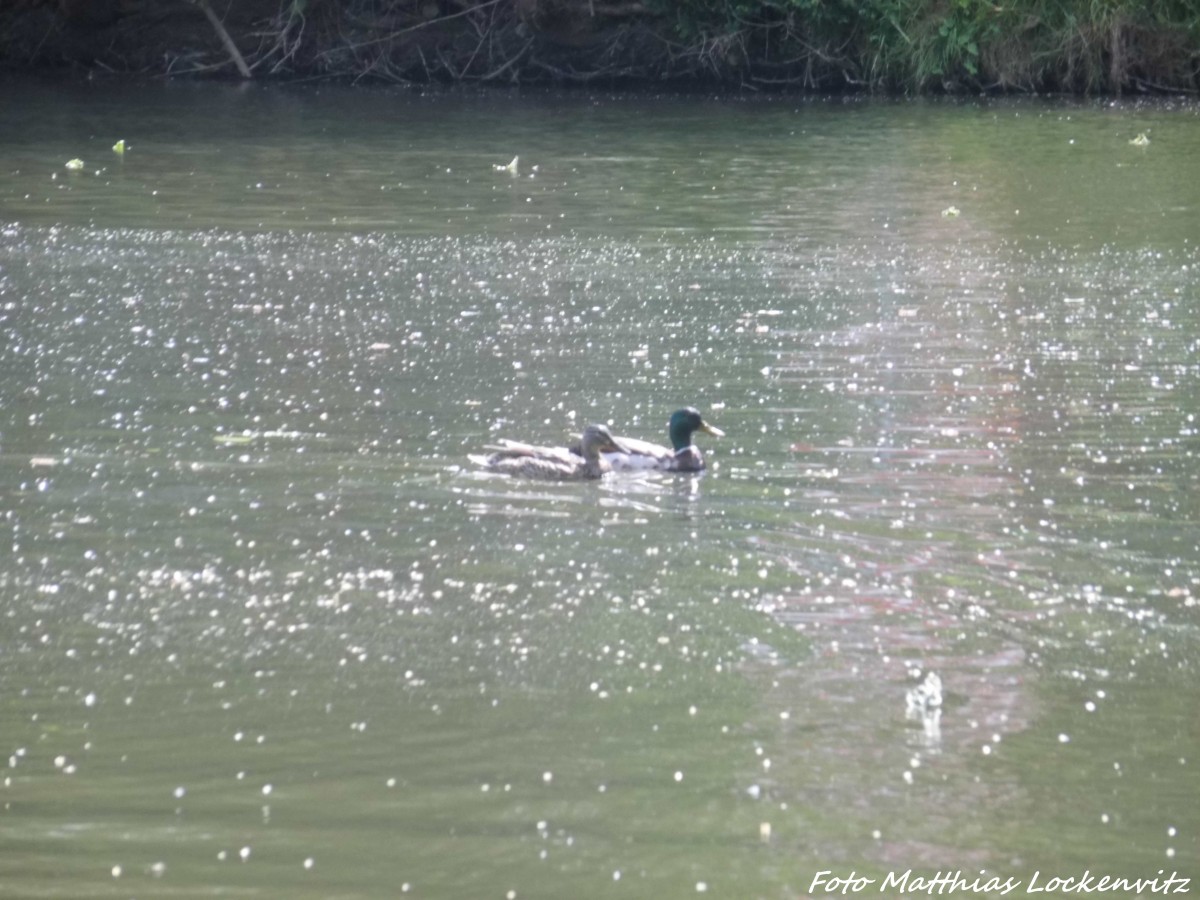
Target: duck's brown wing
506,449
538,467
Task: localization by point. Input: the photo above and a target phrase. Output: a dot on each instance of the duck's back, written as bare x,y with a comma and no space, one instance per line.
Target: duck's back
533,461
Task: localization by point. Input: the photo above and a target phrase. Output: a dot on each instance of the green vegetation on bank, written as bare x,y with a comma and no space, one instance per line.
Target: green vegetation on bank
1080,46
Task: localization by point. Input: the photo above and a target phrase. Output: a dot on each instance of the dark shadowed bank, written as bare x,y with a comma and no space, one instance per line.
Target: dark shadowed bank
1081,46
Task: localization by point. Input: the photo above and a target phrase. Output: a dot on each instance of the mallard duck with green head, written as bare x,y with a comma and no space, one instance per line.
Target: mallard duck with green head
556,463
682,456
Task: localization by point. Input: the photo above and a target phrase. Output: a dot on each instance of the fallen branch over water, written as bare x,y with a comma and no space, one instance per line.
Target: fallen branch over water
226,40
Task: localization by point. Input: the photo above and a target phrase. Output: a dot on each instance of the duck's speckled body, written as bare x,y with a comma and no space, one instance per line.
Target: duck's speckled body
556,463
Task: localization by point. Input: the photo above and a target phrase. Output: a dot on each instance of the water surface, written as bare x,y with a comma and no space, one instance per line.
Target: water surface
266,630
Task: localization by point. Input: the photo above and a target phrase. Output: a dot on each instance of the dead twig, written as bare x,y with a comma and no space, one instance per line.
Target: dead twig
496,73
287,44
392,35
230,46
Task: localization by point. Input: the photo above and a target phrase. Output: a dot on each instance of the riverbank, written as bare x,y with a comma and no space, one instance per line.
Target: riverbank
913,46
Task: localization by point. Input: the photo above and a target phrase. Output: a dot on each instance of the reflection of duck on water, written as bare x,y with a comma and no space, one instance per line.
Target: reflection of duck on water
555,463
681,456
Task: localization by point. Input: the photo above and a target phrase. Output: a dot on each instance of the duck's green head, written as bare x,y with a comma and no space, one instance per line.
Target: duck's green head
686,422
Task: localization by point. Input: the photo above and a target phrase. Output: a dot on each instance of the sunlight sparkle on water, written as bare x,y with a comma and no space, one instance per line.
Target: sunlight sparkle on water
240,494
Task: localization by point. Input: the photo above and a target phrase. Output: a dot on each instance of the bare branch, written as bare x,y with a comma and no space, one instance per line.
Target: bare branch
230,46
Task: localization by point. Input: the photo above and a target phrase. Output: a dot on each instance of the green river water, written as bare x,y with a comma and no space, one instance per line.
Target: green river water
266,631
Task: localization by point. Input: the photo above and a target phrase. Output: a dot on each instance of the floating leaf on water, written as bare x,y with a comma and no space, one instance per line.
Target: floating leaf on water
119,146
74,164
